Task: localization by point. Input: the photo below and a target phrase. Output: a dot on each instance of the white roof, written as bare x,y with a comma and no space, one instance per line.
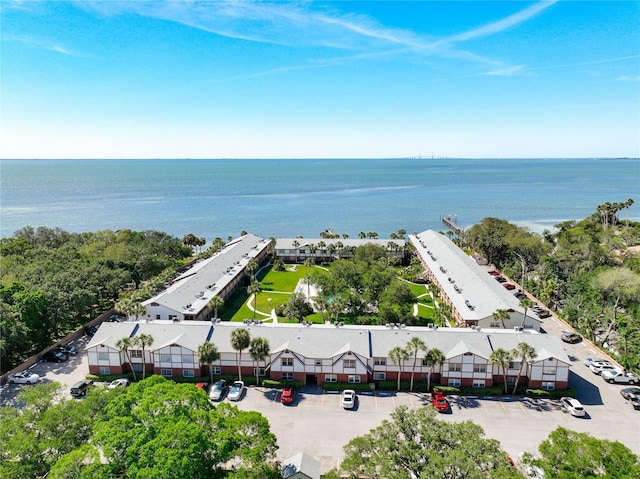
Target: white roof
192,290
474,293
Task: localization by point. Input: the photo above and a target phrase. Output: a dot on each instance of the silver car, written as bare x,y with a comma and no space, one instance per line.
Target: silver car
236,391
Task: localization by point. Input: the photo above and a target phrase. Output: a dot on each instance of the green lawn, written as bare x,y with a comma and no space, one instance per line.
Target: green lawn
277,286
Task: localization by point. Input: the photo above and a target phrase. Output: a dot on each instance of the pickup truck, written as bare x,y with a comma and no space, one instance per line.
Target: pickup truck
619,376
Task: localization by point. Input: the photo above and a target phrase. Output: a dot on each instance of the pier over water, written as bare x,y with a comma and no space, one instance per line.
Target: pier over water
451,222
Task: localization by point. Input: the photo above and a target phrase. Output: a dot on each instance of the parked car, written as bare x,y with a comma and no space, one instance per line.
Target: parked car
519,295
598,367
629,393
545,314
619,376
500,279
587,362
288,395
118,383
440,402
571,337
236,391
573,406
509,286
80,388
204,386
494,273
55,357
67,350
24,377
349,399
218,390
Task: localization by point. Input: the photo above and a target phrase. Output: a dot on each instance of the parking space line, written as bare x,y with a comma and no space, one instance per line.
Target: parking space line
522,407
503,407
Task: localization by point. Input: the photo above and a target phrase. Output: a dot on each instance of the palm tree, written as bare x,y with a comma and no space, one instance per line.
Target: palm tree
296,244
208,354
433,357
259,349
414,346
143,340
502,358
240,340
215,303
252,266
123,345
525,353
253,289
526,304
501,315
398,355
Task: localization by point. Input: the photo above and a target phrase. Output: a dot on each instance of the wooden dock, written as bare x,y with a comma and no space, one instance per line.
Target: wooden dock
450,221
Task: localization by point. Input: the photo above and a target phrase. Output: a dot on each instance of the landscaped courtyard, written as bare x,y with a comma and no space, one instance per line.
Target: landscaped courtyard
277,286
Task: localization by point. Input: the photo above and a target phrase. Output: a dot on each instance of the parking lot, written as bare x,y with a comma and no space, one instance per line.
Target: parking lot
317,424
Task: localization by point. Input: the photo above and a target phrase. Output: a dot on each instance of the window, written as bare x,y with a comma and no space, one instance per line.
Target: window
188,373
511,380
478,384
548,386
354,379
158,316
330,378
103,356
287,376
187,359
494,325
136,353
455,383
165,358
379,361
349,363
455,367
318,362
379,376
217,370
480,368
137,368
258,372
515,365
105,370
167,373
548,371
287,361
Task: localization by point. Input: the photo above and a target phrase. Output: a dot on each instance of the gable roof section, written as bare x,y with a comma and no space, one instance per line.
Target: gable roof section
474,293
302,464
192,290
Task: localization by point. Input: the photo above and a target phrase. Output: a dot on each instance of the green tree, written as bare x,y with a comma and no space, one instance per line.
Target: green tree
415,346
399,355
568,454
143,341
414,444
208,354
297,307
240,340
259,350
124,344
253,290
501,315
621,285
252,266
502,358
526,304
524,353
215,303
434,357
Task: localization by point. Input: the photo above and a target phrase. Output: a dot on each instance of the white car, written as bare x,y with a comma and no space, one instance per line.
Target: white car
118,383
349,399
25,377
619,376
598,366
573,406
236,391
589,361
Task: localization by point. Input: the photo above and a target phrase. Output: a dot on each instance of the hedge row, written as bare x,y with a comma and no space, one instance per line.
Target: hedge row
539,393
343,386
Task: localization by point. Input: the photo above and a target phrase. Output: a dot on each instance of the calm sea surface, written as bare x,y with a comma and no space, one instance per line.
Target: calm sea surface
286,198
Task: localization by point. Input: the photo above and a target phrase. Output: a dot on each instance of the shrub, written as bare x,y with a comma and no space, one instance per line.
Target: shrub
343,386
272,383
540,393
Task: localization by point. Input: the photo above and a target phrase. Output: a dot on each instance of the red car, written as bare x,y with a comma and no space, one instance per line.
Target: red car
288,393
439,402
509,286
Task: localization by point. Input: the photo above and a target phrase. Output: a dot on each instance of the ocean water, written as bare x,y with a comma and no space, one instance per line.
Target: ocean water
287,198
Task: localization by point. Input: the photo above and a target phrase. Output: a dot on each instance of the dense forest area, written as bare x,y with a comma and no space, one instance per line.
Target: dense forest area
588,271
53,282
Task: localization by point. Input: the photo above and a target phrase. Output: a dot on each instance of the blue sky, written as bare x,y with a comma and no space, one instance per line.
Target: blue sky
276,79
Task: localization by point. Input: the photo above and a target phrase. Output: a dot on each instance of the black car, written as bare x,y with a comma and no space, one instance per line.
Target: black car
68,350
544,314
55,357
570,337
